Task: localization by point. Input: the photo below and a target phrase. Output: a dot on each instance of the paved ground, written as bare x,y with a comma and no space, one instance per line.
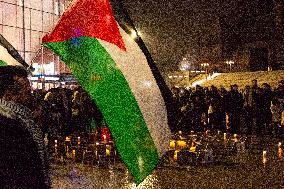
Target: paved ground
242,170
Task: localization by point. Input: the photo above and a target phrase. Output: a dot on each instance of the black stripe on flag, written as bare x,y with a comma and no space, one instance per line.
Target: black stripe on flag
125,22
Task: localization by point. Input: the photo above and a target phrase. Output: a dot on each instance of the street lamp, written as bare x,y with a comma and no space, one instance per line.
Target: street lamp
185,66
230,64
205,65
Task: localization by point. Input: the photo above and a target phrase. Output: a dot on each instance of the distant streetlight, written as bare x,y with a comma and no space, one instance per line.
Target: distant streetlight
230,64
205,65
185,66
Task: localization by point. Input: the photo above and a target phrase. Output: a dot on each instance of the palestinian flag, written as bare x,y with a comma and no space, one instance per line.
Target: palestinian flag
5,57
118,74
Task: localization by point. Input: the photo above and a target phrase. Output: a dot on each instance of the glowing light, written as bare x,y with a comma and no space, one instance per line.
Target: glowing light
104,137
134,34
280,153
172,144
199,82
67,139
170,76
184,64
181,144
176,154
230,64
108,151
204,64
79,141
264,158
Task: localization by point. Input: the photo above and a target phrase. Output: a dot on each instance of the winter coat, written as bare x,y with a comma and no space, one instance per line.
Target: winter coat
23,158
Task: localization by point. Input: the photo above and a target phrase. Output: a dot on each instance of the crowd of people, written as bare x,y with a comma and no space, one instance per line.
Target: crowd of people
26,117
23,159
62,112
252,110
255,109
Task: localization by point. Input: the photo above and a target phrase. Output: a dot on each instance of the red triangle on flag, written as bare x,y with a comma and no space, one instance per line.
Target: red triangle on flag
89,18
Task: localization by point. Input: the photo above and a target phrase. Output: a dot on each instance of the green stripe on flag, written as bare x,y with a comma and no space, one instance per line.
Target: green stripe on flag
96,71
3,63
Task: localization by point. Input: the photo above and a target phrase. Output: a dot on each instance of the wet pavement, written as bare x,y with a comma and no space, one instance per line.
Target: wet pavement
247,168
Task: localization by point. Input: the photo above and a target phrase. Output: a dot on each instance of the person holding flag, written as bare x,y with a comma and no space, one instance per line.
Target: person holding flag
23,157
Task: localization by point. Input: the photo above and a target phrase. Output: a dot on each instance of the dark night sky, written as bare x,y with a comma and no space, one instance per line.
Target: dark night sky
169,27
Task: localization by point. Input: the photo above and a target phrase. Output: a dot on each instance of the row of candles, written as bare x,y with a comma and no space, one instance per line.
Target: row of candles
177,145
68,139
182,143
279,154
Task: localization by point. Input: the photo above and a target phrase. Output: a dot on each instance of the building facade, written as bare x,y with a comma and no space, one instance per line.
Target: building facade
239,35
23,23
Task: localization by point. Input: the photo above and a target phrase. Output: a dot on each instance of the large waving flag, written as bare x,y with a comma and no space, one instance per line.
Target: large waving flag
120,76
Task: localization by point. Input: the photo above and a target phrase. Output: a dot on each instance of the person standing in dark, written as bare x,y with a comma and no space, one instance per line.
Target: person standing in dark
23,157
199,108
66,114
176,106
184,123
276,110
264,108
248,109
255,104
279,91
55,113
234,105
223,94
214,110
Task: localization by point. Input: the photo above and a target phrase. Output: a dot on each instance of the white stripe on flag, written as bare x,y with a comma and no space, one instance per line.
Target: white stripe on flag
144,87
6,57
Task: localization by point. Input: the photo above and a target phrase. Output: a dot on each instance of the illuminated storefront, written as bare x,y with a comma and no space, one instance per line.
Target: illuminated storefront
46,77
